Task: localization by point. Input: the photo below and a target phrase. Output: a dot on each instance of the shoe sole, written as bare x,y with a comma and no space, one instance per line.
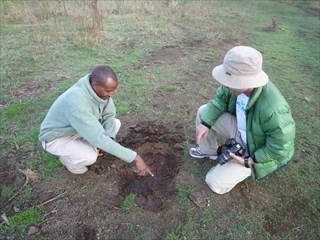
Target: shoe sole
202,157
213,157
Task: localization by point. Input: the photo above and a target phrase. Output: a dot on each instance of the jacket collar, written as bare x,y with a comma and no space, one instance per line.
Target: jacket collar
254,97
84,83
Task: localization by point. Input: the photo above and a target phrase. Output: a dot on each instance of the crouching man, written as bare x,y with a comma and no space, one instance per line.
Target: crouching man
83,120
249,108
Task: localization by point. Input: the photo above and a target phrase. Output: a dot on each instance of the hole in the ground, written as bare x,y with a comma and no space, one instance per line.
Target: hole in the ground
162,149
86,233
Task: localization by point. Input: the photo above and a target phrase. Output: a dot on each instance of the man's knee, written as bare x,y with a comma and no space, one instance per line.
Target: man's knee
200,110
215,185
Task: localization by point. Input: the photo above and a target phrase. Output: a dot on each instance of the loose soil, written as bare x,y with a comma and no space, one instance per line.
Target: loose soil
86,233
161,150
91,207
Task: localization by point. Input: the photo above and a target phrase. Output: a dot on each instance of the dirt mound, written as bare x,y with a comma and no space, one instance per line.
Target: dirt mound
161,149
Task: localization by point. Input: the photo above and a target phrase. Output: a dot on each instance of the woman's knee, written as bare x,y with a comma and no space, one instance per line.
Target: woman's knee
200,110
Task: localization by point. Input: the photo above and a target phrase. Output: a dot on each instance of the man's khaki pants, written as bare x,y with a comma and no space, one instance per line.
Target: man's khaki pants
222,178
74,152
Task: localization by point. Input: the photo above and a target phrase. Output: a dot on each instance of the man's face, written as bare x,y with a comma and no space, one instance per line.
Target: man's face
106,89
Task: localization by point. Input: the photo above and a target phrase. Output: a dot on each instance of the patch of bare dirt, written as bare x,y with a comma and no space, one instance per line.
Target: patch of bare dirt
9,176
8,170
29,89
196,42
166,55
161,150
33,88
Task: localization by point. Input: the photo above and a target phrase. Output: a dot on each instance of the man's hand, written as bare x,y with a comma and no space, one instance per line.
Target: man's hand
201,133
142,168
240,160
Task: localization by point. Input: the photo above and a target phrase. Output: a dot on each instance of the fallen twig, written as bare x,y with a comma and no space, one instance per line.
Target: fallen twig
54,211
51,199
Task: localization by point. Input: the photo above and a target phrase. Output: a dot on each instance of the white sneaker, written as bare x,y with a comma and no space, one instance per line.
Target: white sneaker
196,153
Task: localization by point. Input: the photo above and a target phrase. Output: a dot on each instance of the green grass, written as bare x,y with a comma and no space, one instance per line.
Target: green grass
21,221
128,203
50,163
174,236
184,192
34,53
172,88
6,192
291,58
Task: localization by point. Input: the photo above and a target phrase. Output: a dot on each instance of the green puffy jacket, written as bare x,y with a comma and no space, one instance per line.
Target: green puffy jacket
270,126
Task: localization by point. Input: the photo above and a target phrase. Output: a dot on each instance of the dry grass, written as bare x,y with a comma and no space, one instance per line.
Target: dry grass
89,18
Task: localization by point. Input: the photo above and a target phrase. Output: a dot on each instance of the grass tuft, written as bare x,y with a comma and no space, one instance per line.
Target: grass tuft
21,221
128,203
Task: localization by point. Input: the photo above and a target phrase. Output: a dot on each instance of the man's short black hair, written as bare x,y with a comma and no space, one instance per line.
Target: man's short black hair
101,73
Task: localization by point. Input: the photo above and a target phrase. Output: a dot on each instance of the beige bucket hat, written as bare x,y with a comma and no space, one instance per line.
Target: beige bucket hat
241,69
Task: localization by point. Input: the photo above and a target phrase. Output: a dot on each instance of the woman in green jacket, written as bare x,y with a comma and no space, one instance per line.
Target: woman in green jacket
249,108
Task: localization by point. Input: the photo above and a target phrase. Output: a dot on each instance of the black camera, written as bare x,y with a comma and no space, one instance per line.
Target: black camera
231,146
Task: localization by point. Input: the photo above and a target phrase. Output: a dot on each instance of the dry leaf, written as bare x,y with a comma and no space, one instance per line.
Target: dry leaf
30,175
198,199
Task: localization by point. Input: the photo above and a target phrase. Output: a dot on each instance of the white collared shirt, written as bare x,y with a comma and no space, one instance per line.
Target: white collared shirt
242,101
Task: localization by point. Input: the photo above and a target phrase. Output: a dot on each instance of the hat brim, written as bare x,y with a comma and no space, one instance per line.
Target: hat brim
239,82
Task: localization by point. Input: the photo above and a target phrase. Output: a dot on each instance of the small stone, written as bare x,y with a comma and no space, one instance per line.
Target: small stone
198,199
32,230
137,129
306,99
16,209
113,165
178,146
